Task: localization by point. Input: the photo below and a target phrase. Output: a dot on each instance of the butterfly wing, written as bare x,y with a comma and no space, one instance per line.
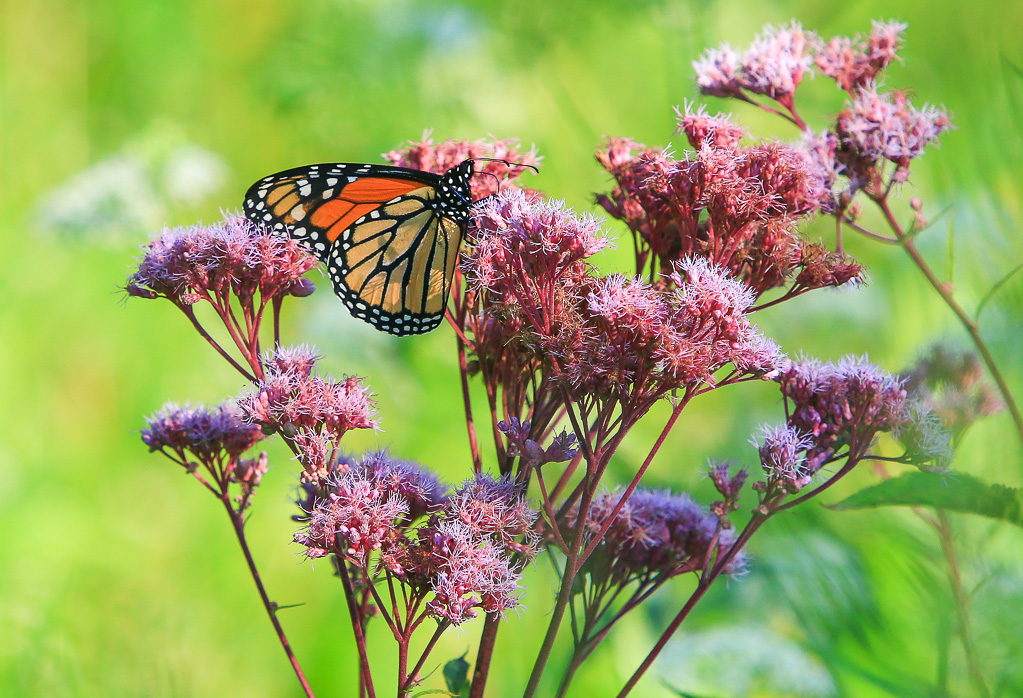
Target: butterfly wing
386,235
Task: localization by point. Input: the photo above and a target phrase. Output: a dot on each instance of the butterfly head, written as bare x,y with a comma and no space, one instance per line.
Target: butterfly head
455,192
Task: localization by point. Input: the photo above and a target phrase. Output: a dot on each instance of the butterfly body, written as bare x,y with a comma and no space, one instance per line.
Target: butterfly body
388,236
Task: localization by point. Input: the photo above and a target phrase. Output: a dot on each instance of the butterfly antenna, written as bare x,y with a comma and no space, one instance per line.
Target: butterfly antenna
509,164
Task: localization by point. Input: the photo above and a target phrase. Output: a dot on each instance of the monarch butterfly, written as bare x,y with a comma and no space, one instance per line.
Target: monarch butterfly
389,236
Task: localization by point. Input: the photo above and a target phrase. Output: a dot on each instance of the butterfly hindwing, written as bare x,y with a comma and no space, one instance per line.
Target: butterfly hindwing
389,236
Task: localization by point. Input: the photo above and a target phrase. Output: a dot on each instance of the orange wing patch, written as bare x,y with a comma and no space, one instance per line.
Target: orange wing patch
377,190
356,200
336,215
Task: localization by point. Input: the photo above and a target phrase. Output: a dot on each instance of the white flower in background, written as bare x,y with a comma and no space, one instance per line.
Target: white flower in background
133,190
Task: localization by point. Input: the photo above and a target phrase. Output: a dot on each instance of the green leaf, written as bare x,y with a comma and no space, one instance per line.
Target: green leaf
456,675
434,691
950,490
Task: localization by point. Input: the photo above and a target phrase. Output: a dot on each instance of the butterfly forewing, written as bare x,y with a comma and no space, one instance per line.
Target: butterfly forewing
389,236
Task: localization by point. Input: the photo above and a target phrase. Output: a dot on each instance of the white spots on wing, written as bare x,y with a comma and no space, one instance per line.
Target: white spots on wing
298,213
331,181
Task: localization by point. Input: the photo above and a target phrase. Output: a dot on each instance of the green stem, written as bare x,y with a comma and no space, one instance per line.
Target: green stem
945,291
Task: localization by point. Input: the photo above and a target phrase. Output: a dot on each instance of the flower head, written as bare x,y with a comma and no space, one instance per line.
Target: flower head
439,158
886,126
492,507
235,256
203,432
522,235
355,518
842,404
654,532
314,411
782,451
854,63
699,128
773,65
736,206
928,443
471,572
421,490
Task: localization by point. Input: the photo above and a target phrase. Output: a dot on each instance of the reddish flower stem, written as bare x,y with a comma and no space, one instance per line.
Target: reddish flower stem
470,425
410,680
568,577
190,314
360,635
635,481
488,638
271,609
705,583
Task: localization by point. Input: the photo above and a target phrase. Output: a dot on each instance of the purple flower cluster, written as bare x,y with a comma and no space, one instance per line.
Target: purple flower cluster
355,518
562,446
203,432
875,127
835,405
420,489
216,438
655,533
783,451
855,62
606,336
470,572
885,126
735,206
236,257
492,508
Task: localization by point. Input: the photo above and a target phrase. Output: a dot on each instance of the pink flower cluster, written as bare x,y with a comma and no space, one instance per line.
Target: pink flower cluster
736,206
471,572
355,518
235,257
773,66
855,62
491,176
874,128
313,411
420,489
462,553
614,335
885,126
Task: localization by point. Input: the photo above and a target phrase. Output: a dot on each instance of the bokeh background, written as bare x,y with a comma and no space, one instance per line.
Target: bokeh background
120,576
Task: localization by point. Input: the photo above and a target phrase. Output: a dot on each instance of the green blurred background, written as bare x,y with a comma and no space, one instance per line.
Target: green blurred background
120,576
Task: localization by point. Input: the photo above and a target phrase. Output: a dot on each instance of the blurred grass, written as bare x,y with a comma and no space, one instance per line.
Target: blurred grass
117,577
